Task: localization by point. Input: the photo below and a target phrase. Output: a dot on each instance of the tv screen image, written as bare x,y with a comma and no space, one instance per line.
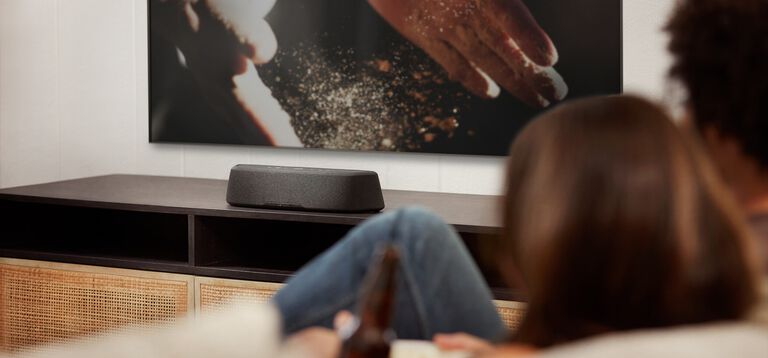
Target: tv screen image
438,76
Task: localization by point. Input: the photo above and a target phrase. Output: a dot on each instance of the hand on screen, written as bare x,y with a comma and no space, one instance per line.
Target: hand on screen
220,42
481,43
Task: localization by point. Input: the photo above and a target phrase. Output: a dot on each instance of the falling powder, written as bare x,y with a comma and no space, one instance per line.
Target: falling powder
396,102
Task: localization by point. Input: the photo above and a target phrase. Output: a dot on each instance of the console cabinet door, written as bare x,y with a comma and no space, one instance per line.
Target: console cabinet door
43,303
211,294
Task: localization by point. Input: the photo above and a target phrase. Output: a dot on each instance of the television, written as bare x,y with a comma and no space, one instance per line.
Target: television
436,76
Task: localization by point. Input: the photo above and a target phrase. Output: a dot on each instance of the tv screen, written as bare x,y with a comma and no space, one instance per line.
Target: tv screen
438,76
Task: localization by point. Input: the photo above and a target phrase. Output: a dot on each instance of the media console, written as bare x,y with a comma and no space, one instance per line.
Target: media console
97,248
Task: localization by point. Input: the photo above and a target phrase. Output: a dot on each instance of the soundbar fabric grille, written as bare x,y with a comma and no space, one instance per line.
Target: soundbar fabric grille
40,306
307,189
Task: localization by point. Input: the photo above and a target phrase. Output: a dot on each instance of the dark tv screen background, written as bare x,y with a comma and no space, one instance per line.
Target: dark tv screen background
348,40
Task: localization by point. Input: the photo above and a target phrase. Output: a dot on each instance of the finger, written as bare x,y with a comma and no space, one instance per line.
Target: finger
550,82
511,78
447,342
544,80
265,112
460,70
461,341
191,17
517,21
243,20
258,41
251,9
345,324
342,319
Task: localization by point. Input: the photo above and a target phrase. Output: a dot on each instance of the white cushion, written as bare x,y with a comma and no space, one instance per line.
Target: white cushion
741,339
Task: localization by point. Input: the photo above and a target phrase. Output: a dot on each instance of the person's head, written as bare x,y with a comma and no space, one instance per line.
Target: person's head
614,221
720,56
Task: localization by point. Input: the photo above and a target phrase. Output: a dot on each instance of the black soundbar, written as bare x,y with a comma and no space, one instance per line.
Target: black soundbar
306,189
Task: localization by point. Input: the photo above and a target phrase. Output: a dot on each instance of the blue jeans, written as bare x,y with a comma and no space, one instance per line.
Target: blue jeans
440,289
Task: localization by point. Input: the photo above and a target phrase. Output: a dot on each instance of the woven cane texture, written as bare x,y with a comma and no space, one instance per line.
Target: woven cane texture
40,306
511,313
214,294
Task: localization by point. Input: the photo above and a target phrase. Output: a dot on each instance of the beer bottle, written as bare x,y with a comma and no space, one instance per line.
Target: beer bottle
373,335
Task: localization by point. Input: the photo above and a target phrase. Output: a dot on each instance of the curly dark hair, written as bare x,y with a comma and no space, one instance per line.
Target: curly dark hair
720,50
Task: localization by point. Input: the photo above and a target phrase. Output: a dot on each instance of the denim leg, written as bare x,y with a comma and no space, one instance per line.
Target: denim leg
439,287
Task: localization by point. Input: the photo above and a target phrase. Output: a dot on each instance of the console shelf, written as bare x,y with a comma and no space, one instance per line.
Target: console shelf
184,225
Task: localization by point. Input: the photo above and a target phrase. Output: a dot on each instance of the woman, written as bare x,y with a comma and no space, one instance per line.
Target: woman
614,221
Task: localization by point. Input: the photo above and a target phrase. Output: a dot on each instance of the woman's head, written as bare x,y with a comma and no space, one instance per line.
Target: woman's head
615,222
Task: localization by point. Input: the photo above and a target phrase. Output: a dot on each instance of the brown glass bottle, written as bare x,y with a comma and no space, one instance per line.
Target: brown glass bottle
373,336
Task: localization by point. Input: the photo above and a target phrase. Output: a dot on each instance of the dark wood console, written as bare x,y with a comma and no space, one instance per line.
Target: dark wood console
183,225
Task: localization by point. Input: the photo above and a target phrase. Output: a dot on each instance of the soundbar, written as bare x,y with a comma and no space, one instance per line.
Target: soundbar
306,189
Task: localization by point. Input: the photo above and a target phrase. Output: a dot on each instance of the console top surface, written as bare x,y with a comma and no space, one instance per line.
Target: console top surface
468,213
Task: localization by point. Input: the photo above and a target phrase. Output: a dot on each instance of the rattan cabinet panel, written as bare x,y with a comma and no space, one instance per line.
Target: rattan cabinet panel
211,294
43,303
511,312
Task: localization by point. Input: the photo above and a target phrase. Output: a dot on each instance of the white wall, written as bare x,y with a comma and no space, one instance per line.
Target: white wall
73,103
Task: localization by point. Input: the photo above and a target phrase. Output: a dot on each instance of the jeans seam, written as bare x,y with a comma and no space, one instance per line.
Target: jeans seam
408,278
417,300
